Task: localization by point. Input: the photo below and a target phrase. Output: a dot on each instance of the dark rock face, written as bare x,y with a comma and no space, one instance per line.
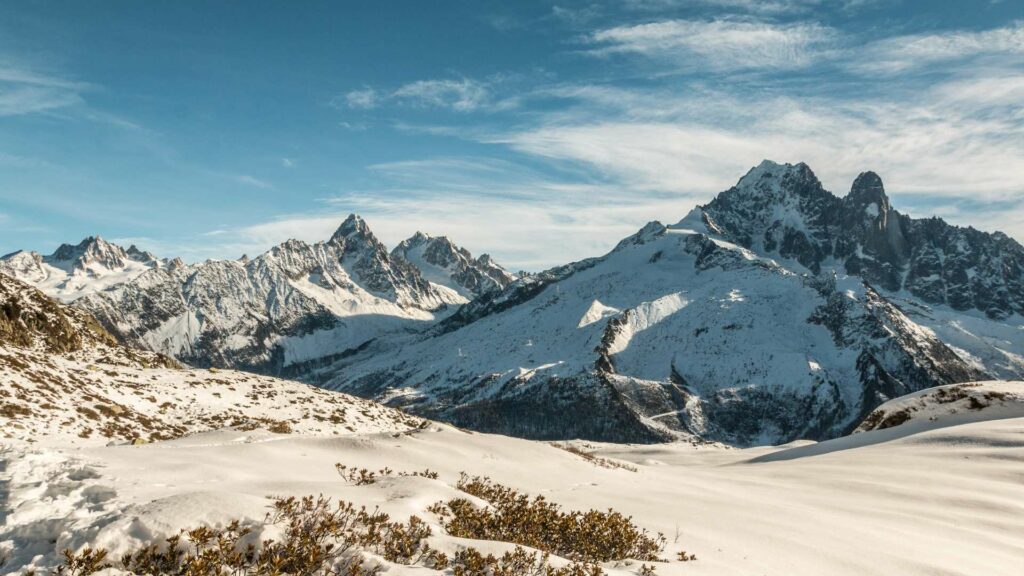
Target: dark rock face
783,210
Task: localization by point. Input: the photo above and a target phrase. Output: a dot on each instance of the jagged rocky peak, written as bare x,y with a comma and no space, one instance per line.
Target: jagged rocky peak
773,178
92,250
650,231
782,210
138,255
488,260
442,262
437,250
353,226
867,191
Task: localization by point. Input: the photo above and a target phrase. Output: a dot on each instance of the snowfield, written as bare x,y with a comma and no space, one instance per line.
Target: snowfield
932,495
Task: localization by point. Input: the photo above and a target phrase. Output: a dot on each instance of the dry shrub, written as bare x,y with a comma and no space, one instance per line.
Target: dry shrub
319,540
364,476
519,562
588,537
595,459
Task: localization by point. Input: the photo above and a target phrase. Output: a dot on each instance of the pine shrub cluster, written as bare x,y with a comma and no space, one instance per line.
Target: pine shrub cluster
518,562
319,540
589,537
323,539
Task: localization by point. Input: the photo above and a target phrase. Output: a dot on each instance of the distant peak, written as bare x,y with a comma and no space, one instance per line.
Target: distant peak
767,164
138,255
421,239
353,225
94,247
650,231
867,189
770,170
868,183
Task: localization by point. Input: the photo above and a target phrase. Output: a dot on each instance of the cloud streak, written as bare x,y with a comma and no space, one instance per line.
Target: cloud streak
718,44
524,218
456,94
902,53
25,91
249,180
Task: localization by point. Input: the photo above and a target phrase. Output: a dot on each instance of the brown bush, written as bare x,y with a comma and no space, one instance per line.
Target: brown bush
319,540
363,476
519,562
588,537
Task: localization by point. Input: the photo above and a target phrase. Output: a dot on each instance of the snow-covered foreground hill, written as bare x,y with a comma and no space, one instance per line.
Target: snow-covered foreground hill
63,378
938,497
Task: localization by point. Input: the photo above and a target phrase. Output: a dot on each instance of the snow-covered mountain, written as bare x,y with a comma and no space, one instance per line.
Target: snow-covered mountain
777,311
294,304
74,271
442,262
738,324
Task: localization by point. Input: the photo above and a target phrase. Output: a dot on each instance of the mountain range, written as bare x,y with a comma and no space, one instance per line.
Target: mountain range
775,312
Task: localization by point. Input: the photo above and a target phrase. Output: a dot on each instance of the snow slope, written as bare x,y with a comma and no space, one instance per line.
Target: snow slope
935,500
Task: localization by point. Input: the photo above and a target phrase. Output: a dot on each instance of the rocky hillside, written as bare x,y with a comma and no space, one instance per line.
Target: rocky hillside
63,377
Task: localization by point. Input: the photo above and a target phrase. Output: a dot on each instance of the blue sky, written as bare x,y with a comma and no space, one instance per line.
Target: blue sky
540,132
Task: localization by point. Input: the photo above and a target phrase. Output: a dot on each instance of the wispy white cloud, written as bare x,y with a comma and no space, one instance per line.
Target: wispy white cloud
959,138
26,91
458,94
524,218
760,7
901,53
250,180
655,151
463,94
362,99
16,100
718,44
287,163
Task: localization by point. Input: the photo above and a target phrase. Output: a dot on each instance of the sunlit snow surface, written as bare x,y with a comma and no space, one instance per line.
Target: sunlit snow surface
940,494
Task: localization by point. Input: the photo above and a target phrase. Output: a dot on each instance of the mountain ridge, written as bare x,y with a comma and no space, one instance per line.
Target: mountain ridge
776,311
933,260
